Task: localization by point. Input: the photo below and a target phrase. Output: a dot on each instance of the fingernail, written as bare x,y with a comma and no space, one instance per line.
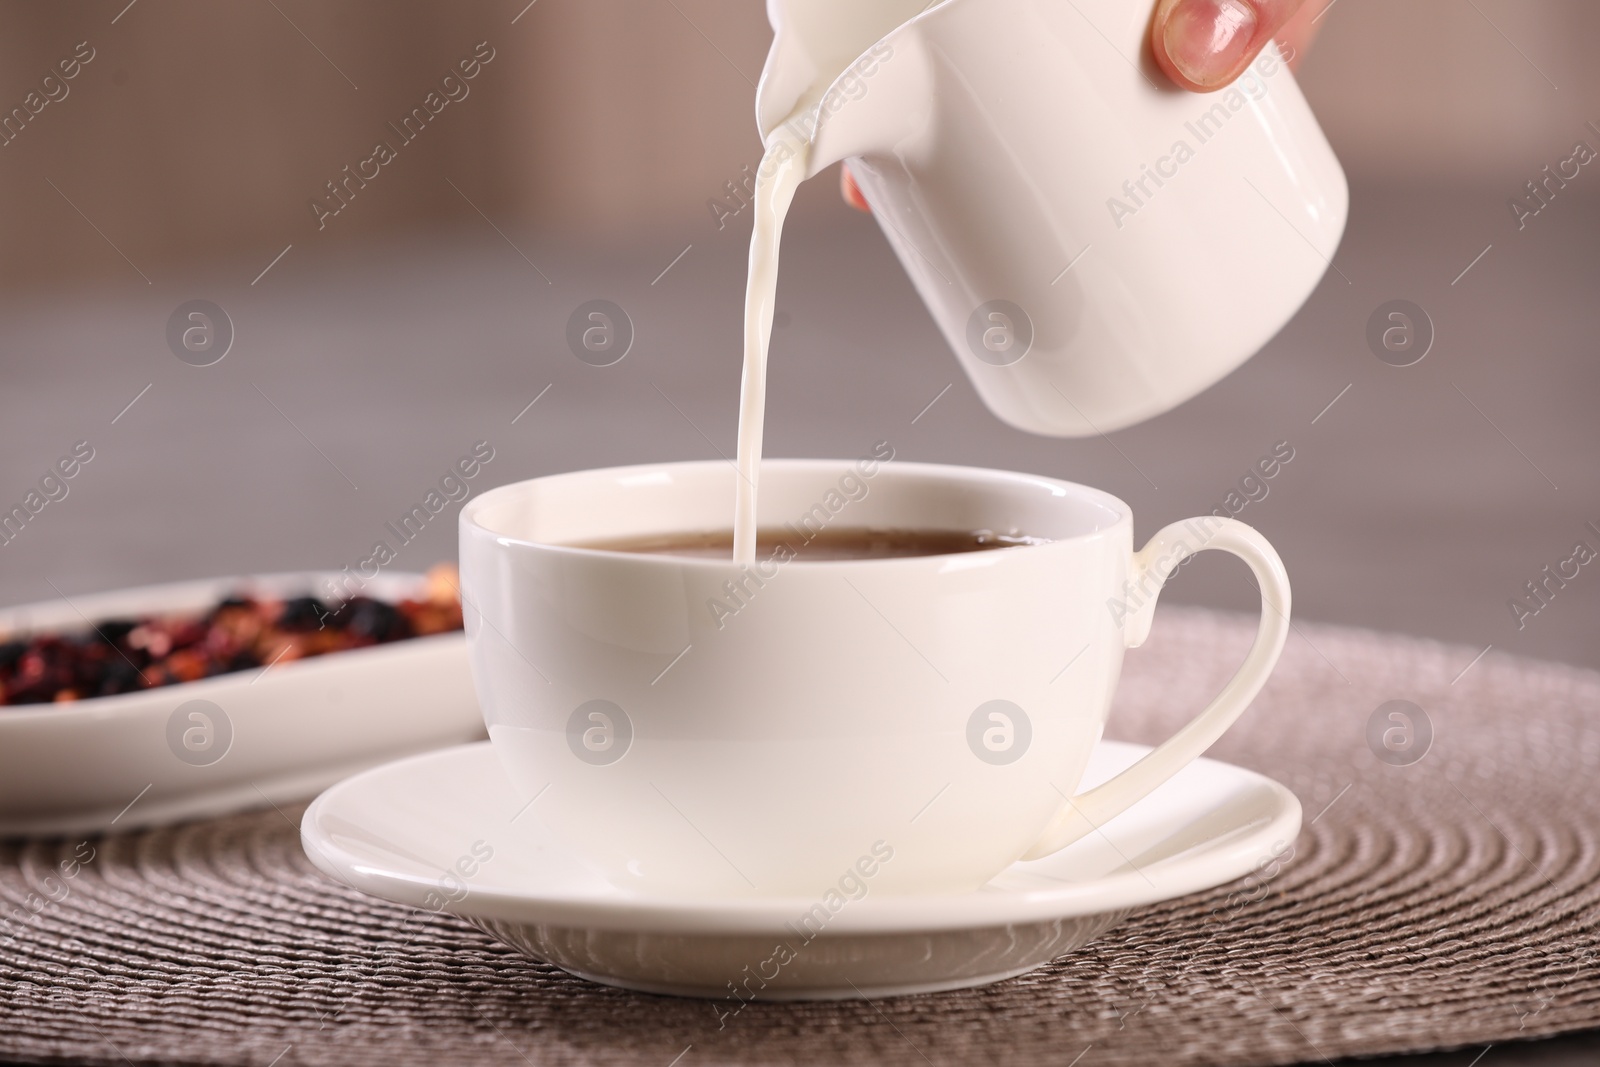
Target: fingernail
1207,39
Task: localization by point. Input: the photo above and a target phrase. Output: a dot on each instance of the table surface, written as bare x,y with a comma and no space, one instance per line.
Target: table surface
1419,499
1577,1050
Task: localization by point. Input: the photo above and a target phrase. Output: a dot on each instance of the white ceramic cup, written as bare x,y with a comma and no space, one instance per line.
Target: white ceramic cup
1096,245
799,728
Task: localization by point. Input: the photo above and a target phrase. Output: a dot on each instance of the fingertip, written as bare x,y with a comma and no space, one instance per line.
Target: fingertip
1204,44
851,191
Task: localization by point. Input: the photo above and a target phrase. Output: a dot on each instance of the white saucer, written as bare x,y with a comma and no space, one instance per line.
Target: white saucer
436,832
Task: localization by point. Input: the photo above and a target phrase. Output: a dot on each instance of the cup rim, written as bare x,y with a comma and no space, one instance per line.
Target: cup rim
470,525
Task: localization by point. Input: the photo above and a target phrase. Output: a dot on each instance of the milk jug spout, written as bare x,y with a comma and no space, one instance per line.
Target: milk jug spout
824,55
1095,245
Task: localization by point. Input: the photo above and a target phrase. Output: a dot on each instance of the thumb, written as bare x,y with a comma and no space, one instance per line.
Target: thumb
1205,44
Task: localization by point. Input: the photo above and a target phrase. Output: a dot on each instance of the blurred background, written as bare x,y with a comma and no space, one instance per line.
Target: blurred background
374,347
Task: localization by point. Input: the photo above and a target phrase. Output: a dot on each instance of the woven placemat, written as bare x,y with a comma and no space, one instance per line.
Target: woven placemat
1438,903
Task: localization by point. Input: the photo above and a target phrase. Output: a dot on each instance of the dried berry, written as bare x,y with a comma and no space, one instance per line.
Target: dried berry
302,614
120,677
115,631
375,621
238,633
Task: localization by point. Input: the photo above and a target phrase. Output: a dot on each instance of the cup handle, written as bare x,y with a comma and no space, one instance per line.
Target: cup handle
1152,566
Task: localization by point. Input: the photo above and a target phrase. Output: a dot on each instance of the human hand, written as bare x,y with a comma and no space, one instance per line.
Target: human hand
1203,45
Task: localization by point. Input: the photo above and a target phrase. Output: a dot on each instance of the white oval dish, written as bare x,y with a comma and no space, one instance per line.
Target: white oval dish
446,831
106,763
